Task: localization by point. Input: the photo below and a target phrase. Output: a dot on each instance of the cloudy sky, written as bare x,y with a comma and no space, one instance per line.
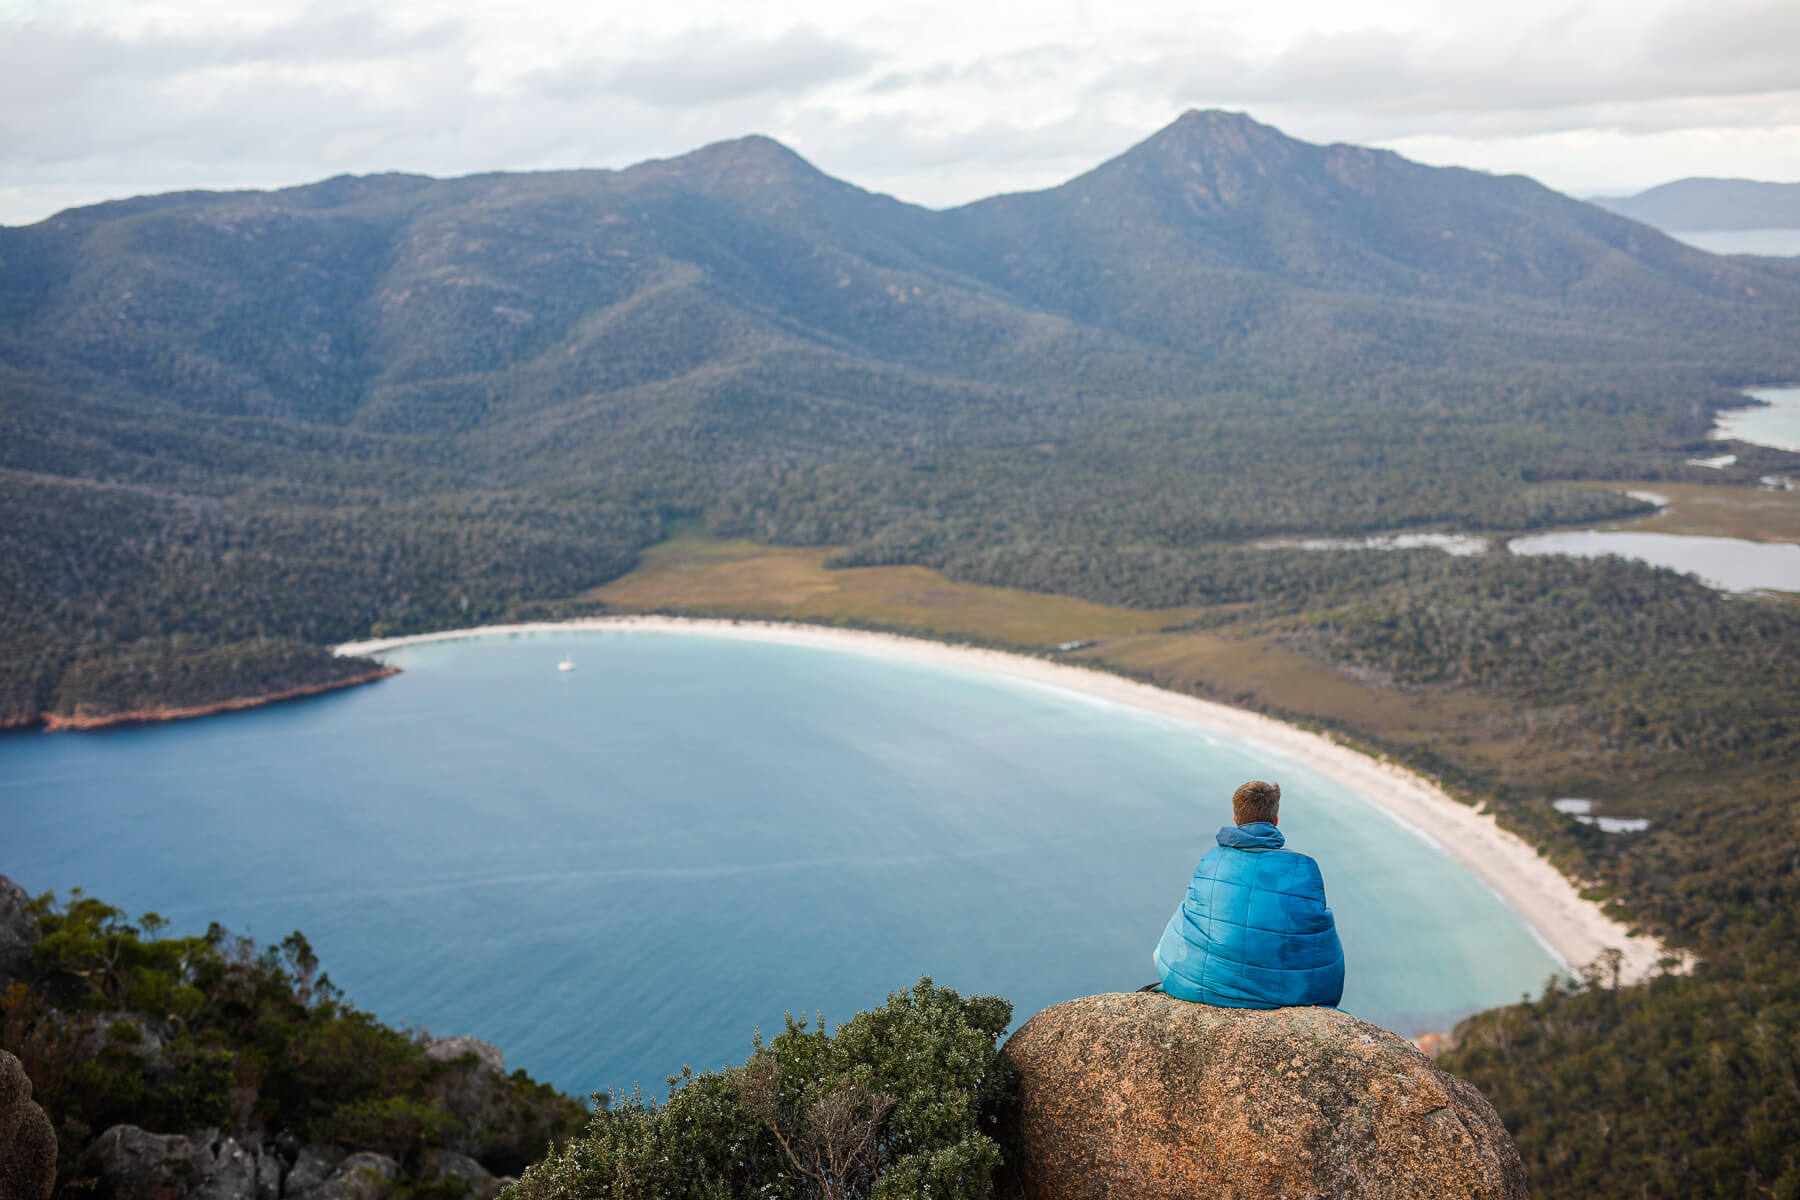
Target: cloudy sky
937,102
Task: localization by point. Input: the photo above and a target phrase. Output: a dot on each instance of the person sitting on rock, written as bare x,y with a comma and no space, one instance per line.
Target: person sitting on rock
1254,930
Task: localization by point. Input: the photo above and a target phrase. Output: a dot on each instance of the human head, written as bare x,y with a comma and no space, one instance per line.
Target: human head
1256,801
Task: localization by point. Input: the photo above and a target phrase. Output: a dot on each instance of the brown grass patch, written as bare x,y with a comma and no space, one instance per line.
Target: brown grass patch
742,579
1707,511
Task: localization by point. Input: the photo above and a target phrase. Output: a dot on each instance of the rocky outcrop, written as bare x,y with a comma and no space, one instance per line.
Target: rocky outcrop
1146,1096
449,1049
27,1139
125,1030
133,1164
17,931
312,1167
130,1163
364,1176
447,1166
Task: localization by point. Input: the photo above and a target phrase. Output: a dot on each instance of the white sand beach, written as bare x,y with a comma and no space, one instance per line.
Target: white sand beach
1576,930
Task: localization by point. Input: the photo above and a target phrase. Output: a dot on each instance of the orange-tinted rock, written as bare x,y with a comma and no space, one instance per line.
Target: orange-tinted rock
1435,1044
27,1139
1144,1096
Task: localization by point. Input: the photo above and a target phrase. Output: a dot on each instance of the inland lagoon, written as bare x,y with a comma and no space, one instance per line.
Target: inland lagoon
1728,564
621,867
1775,422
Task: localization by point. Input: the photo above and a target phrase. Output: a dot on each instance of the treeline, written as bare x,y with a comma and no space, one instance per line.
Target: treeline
1676,1088
185,672
249,530
1647,659
1650,659
116,598
1266,580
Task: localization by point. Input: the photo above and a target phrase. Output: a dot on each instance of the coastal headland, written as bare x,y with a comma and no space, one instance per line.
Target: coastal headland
55,722
1576,929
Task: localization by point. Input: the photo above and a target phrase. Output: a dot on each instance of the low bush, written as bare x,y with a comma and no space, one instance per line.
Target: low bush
117,1024
902,1101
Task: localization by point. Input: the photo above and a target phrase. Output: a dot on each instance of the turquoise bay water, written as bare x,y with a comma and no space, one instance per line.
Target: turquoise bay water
619,870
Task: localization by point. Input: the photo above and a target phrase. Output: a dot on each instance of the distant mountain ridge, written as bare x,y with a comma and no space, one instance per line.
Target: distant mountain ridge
371,301
1707,205
435,400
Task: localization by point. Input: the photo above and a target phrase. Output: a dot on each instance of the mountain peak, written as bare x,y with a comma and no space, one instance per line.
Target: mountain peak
741,165
1211,158
1214,131
754,147
1218,118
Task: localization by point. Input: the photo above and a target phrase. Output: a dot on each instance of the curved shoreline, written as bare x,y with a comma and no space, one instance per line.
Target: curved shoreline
1550,904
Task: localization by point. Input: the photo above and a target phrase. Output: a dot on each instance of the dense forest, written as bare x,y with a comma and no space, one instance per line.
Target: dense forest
236,428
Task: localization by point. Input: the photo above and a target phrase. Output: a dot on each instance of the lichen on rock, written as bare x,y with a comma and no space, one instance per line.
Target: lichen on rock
27,1139
1147,1096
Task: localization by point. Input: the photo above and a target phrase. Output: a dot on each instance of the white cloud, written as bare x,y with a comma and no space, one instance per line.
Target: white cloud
938,102
1501,76
706,67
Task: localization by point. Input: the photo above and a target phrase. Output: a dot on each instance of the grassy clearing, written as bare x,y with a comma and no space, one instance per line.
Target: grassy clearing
1739,512
1264,672
743,579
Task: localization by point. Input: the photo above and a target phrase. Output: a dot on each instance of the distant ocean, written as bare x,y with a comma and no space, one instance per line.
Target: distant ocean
1777,243
616,870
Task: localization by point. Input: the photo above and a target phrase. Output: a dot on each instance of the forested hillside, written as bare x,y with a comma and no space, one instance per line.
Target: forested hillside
118,1026
392,403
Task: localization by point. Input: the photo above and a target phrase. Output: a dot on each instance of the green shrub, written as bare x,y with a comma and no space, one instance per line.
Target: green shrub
901,1102
400,1126
250,1041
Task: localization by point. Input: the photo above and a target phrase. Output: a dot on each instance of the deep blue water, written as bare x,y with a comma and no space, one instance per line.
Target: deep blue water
615,871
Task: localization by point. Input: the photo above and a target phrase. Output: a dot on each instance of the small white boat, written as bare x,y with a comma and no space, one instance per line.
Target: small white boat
565,665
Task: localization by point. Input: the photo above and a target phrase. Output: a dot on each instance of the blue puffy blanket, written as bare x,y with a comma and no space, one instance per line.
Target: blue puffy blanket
1254,931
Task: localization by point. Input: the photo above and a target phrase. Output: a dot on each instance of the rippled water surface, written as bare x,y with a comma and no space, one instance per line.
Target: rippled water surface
614,871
